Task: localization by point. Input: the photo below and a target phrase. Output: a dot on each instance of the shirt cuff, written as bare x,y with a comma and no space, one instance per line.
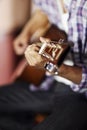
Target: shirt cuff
82,87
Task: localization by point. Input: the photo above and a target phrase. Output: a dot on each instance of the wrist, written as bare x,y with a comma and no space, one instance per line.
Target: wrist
63,70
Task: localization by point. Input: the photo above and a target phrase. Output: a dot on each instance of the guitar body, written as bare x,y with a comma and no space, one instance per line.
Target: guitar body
55,34
32,74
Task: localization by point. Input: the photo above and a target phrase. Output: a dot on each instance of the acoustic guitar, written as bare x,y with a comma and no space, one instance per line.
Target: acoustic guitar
32,74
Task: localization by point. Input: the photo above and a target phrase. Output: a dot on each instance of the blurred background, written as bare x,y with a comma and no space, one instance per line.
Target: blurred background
13,16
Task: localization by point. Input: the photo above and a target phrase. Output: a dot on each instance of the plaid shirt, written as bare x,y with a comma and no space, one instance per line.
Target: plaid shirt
77,32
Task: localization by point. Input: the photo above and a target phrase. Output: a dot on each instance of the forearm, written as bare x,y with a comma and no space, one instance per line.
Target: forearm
37,25
72,73
38,20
